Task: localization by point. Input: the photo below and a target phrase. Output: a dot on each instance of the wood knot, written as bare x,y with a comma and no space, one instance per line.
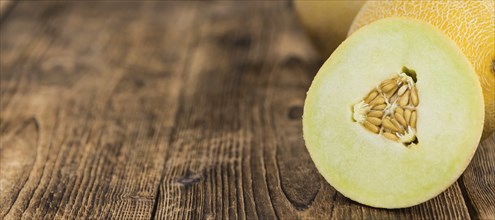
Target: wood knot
243,41
295,112
236,40
139,83
293,61
189,179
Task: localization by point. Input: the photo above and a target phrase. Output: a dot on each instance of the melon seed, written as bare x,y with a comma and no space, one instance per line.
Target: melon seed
397,125
400,119
379,107
389,87
388,124
391,92
407,115
390,109
371,96
390,136
414,96
371,127
377,114
375,121
378,101
404,99
414,117
402,89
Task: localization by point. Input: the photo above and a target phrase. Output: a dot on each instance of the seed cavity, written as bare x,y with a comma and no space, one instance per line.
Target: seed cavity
390,109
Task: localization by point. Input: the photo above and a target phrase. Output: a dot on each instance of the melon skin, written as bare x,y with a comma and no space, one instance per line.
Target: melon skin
327,22
470,24
368,168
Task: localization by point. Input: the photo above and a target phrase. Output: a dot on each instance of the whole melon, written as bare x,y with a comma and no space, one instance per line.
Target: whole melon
327,22
470,24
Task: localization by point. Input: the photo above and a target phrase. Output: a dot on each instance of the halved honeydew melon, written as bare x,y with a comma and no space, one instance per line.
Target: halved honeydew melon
398,164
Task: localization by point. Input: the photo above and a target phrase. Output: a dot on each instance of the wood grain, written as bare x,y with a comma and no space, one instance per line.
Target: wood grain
174,110
89,94
478,181
5,6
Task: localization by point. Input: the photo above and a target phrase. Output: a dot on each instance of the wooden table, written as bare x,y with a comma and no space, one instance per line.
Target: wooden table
174,110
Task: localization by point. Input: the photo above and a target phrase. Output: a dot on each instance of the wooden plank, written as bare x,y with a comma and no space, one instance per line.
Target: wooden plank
5,5
478,181
88,97
237,150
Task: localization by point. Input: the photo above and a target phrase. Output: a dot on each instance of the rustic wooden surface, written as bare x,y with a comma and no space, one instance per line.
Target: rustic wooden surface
5,6
174,110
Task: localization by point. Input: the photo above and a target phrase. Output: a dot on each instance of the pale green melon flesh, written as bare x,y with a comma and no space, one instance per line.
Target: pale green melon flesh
368,168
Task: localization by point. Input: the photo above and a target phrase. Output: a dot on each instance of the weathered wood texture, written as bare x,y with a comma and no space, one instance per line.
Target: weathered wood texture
5,6
174,110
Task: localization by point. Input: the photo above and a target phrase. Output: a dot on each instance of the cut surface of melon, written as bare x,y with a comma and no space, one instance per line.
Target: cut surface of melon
368,167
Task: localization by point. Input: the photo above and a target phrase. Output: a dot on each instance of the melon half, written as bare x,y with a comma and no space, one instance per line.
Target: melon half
394,116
